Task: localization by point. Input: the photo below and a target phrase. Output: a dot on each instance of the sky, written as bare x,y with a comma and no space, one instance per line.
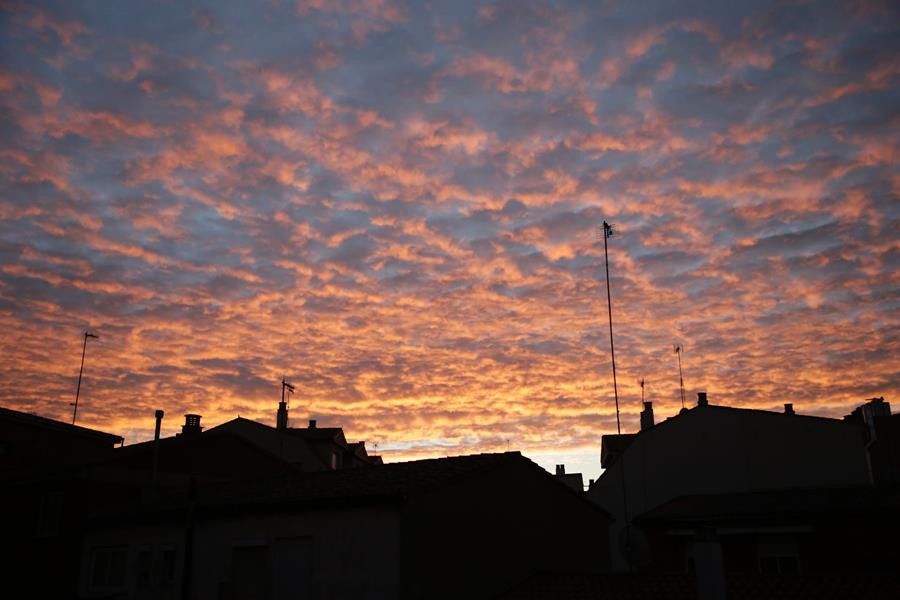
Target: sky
398,207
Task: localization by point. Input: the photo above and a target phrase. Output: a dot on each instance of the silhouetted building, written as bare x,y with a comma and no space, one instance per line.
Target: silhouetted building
65,473
573,480
460,527
29,441
214,455
309,448
882,439
46,492
719,490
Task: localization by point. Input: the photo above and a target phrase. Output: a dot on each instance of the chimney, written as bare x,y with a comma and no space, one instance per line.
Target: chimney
789,408
701,399
647,416
281,417
191,425
159,418
312,423
560,470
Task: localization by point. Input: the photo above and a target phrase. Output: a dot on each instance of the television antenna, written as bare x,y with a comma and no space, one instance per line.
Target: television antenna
608,232
87,334
679,348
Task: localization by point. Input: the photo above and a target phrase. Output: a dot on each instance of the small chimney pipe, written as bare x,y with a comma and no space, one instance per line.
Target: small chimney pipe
701,399
155,475
159,417
560,469
312,423
789,408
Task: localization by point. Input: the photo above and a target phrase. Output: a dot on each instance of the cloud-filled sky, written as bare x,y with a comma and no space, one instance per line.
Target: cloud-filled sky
395,205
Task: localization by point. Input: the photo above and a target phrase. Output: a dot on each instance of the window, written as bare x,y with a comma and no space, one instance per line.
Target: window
108,567
250,572
167,568
144,569
779,565
778,555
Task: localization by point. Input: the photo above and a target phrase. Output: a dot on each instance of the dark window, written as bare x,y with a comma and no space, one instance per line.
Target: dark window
167,567
108,567
250,572
768,565
293,568
779,565
788,565
144,569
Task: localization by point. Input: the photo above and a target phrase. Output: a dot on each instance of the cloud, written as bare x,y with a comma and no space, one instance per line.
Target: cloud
396,205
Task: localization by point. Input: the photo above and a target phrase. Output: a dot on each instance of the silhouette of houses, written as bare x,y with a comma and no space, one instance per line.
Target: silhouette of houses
725,493
243,448
245,510
721,502
311,448
465,526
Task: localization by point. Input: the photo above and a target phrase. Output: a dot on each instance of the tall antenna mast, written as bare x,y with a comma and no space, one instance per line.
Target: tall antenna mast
87,335
608,232
641,381
678,350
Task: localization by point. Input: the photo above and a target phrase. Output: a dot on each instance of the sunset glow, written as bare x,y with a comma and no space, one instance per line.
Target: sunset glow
397,207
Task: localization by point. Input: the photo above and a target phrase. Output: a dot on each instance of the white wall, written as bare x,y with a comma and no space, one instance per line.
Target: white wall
354,553
347,554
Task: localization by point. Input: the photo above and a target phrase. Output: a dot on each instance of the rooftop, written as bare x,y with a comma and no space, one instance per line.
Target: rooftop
54,425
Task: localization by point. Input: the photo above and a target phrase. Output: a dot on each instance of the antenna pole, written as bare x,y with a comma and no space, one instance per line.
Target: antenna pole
607,233
80,371
680,374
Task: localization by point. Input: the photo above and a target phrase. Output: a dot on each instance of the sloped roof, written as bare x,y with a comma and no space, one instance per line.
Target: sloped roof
385,480
617,444
319,434
291,448
370,485
54,425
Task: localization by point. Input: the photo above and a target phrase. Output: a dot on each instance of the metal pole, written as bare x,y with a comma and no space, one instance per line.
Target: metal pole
80,371
607,232
680,376
612,349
